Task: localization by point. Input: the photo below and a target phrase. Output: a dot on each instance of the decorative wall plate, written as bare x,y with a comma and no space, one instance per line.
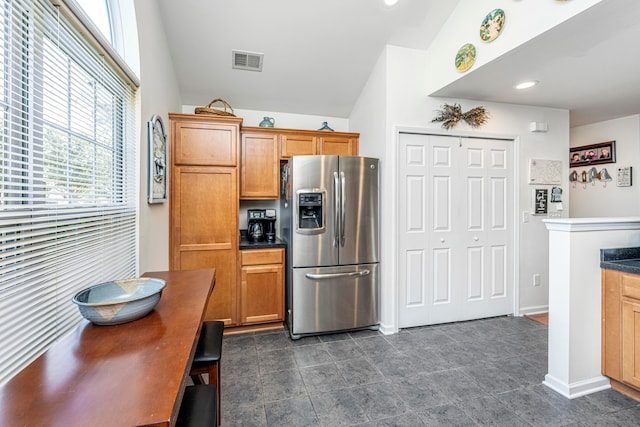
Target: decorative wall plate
492,25
465,57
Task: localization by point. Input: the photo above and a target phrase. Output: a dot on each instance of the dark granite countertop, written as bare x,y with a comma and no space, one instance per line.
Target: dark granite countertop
621,259
246,244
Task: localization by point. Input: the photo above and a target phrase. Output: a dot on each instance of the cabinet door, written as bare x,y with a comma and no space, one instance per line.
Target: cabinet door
262,290
204,143
204,231
259,166
611,323
298,145
631,342
339,145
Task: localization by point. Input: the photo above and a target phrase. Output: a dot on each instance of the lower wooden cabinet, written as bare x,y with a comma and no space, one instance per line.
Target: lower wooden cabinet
620,326
262,286
204,231
631,342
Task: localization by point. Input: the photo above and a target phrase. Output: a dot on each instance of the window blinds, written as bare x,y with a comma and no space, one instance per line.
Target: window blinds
68,191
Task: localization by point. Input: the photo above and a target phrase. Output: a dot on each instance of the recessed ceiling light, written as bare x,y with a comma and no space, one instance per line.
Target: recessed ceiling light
390,2
527,85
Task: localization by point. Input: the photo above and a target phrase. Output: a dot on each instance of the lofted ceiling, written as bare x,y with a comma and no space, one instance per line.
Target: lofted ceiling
318,55
588,65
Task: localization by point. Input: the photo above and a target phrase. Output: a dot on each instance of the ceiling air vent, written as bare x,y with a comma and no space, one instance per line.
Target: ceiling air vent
247,60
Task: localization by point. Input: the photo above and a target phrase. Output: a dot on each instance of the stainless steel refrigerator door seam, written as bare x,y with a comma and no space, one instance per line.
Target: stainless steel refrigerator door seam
336,275
336,198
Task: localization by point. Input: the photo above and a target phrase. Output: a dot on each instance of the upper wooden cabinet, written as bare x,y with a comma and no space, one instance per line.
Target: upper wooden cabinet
293,144
260,165
341,144
298,142
204,140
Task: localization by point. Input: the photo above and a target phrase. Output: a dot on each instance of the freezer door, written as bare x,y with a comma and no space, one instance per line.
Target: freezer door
334,298
313,177
359,218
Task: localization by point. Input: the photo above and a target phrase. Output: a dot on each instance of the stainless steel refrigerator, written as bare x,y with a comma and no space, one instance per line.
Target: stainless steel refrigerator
329,218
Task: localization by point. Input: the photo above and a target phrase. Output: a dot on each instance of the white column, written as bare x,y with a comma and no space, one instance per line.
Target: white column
575,308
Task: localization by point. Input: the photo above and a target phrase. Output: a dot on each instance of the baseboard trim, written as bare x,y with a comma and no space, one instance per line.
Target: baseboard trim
577,389
534,310
387,329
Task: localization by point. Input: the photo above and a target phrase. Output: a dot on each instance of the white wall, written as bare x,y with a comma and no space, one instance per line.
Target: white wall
399,82
369,117
158,95
597,200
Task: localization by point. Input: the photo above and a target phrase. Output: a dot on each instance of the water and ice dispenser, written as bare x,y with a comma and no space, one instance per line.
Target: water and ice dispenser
311,211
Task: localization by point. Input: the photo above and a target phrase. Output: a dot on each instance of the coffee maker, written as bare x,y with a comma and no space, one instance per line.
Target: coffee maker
270,225
261,225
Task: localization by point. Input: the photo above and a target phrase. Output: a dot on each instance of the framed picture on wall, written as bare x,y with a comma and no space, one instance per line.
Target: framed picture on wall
594,154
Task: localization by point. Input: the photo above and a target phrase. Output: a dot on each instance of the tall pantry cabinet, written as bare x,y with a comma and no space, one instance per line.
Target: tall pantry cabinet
204,204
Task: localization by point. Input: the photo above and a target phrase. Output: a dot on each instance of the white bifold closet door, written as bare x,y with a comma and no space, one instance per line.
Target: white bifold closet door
455,228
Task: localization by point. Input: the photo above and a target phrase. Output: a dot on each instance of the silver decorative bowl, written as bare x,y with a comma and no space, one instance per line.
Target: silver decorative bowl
119,301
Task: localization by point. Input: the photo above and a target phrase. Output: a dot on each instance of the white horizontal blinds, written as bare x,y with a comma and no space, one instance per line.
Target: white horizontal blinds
68,203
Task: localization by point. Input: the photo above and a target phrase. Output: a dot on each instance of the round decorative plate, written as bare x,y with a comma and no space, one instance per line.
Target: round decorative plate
492,25
465,57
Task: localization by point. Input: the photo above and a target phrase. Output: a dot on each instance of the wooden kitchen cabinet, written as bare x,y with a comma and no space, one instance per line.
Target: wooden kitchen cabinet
204,141
260,166
298,144
631,339
307,142
620,326
262,286
203,206
341,144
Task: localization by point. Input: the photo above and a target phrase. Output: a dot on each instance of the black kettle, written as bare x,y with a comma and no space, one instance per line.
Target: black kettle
255,232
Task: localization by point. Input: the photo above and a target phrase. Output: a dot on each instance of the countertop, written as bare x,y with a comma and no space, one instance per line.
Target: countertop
621,259
246,244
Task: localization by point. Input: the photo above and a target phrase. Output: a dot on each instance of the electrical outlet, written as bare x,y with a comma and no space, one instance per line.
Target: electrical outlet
536,279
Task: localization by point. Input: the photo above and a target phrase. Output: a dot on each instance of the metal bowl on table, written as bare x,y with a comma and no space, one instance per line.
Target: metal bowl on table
119,301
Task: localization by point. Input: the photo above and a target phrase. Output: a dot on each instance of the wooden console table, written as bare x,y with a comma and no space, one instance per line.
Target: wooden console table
132,374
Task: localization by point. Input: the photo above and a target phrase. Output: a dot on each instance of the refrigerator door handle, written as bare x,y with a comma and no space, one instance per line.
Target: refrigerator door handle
337,275
336,210
343,208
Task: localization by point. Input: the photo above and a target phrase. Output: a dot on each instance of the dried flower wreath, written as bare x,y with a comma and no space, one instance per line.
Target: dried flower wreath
450,116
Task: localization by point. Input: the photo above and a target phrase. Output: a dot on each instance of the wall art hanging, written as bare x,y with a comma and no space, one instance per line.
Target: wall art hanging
593,154
624,176
465,57
492,25
157,146
541,199
451,115
545,171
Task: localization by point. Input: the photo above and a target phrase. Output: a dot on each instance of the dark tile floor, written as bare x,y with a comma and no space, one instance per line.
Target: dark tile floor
482,372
